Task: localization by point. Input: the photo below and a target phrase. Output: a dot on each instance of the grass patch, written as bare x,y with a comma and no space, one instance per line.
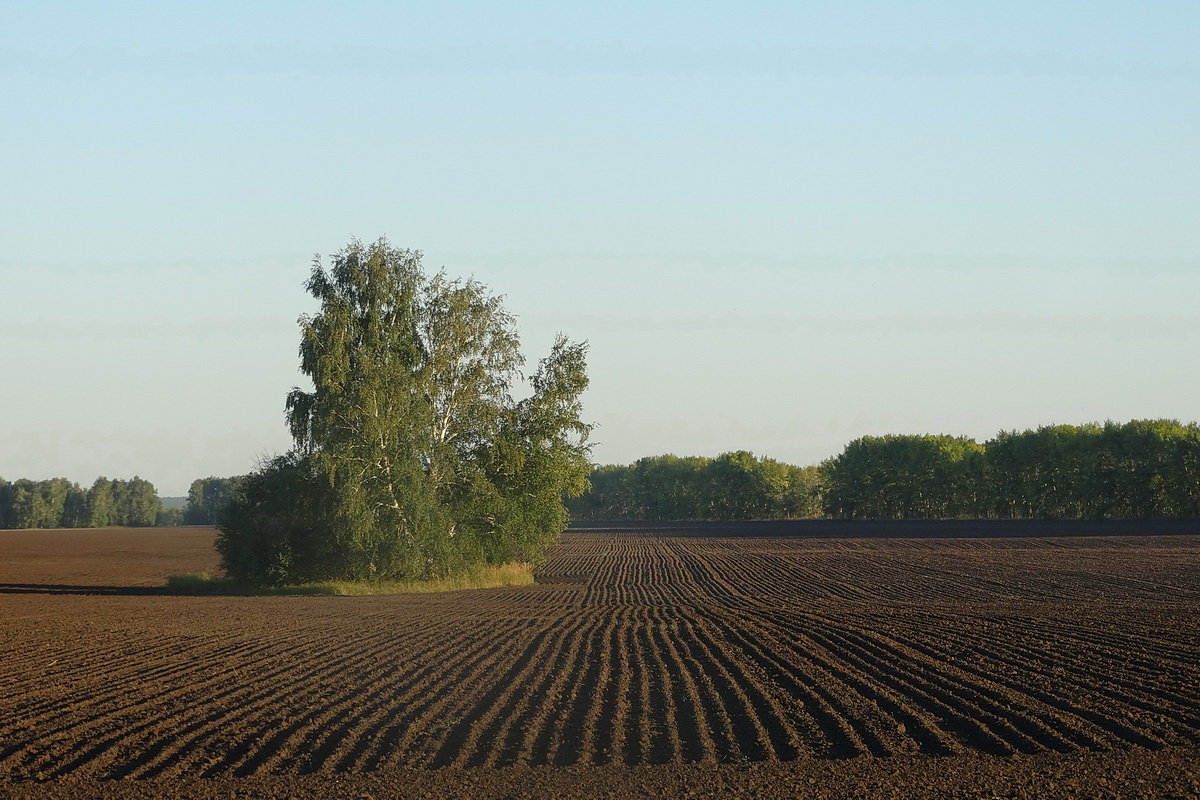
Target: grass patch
489,576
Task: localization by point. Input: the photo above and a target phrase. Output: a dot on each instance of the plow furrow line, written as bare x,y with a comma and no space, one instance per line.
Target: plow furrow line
830,727
757,726
346,730
1143,687
185,685
1071,729
483,720
366,660
668,745
907,719
1109,728
956,690
636,733
532,733
1123,649
576,735
145,738
126,718
117,671
425,706
75,663
201,743
656,739
607,715
972,728
695,737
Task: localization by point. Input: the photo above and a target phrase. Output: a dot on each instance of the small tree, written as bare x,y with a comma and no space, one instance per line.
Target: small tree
412,458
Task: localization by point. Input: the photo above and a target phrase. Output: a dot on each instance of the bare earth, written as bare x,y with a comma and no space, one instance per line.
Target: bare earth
914,660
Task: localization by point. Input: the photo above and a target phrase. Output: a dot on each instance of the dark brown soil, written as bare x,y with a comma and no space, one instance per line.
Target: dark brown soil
702,661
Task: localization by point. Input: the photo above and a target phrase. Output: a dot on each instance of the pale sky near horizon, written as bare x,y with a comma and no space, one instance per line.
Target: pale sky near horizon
780,226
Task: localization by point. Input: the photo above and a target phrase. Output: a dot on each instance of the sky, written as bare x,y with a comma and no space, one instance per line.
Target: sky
779,226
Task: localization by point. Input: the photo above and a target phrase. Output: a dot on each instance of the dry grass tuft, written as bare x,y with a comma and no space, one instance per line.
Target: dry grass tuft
489,576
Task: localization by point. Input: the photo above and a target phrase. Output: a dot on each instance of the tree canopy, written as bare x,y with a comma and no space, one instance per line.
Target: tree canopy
60,503
208,499
1137,469
412,457
735,485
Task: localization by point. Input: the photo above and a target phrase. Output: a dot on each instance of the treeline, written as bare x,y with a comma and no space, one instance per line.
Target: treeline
208,499
60,503
1136,470
735,485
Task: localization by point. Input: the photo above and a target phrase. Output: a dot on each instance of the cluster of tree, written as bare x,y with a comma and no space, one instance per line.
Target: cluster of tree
60,503
1139,469
208,499
904,477
411,457
734,485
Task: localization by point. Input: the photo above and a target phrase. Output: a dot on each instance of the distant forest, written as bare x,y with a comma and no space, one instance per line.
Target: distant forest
60,503
735,485
208,498
1136,470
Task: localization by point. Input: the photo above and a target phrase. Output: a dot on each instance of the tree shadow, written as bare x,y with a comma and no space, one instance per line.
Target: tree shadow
66,588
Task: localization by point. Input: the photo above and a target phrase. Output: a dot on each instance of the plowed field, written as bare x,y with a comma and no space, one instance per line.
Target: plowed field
819,659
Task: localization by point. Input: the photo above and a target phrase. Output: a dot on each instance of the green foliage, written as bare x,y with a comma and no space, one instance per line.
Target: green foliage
101,504
169,518
805,494
903,477
1139,469
28,506
60,503
136,502
412,458
74,513
53,503
734,485
1136,470
208,499
278,528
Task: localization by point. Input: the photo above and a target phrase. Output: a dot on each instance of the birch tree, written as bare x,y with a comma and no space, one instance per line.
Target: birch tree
430,463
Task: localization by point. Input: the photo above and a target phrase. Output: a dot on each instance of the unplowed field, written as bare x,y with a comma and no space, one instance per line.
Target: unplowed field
804,660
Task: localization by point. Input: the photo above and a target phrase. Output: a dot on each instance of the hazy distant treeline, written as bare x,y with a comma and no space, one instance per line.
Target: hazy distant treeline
735,485
1135,470
60,503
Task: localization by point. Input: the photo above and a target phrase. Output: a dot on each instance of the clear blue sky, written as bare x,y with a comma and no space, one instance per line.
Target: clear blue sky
779,225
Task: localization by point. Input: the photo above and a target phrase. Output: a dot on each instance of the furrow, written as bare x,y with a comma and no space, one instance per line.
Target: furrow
203,743
481,722
428,709
313,738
